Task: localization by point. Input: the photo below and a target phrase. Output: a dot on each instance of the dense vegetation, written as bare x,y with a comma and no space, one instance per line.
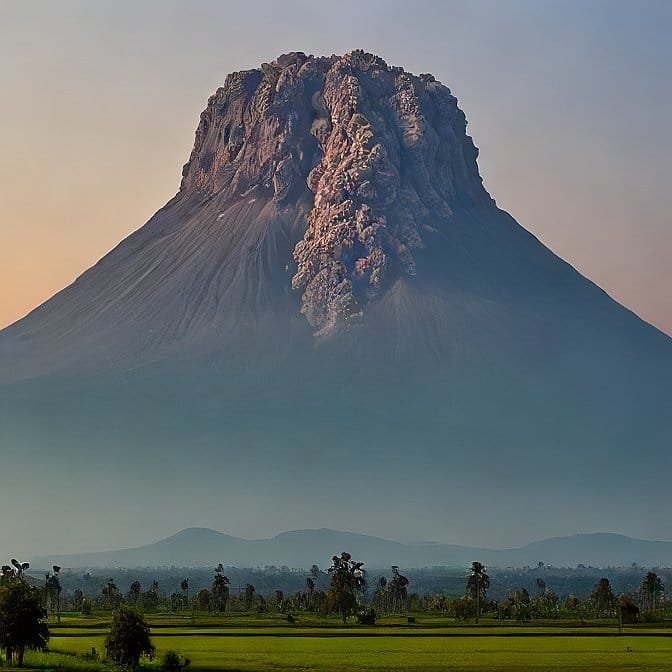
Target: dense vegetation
284,590
122,606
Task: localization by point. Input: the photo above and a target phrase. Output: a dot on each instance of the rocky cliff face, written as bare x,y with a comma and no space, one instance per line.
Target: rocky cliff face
383,153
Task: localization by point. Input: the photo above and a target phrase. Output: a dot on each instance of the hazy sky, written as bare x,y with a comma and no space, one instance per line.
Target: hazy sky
570,103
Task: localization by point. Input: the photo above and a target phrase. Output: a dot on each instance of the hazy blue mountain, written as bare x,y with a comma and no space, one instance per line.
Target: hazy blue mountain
202,547
332,323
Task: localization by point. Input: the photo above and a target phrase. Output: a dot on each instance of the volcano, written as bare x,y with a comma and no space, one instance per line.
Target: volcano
333,308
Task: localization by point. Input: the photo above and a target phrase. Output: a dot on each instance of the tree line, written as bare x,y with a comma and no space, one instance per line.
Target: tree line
344,589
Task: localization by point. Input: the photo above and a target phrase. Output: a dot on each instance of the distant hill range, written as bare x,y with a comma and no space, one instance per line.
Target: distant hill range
202,547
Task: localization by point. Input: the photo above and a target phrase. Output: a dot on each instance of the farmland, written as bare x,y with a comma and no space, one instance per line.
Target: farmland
246,643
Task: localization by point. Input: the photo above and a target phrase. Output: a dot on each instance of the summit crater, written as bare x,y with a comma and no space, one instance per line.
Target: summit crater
378,158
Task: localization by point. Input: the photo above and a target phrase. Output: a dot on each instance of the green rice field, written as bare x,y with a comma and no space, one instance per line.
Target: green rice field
266,645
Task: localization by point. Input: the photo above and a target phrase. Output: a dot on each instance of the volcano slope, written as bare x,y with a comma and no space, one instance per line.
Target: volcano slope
333,307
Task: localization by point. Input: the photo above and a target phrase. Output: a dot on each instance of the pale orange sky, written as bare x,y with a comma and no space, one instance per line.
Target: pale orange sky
99,102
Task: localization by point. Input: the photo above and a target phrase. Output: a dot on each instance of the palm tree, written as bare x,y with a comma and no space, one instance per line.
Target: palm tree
53,589
249,596
134,592
310,587
477,585
111,595
220,590
650,591
19,570
383,594
185,589
399,590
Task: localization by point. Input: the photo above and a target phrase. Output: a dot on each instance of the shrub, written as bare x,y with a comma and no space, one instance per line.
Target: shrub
367,617
173,662
128,638
93,655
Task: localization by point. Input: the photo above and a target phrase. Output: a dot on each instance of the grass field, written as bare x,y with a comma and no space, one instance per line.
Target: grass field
272,645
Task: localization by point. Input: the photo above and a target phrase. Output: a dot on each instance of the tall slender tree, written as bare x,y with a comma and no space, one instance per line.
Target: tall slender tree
249,596
399,590
381,595
111,595
220,591
134,592
52,589
651,592
310,591
477,585
184,585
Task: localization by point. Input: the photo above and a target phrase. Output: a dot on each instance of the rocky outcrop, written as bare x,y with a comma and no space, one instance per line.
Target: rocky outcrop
383,153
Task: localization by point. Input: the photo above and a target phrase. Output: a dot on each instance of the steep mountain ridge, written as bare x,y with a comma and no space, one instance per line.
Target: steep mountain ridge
338,187
332,286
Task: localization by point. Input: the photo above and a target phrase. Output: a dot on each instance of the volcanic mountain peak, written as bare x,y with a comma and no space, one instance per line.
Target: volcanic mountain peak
338,187
383,153
457,356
